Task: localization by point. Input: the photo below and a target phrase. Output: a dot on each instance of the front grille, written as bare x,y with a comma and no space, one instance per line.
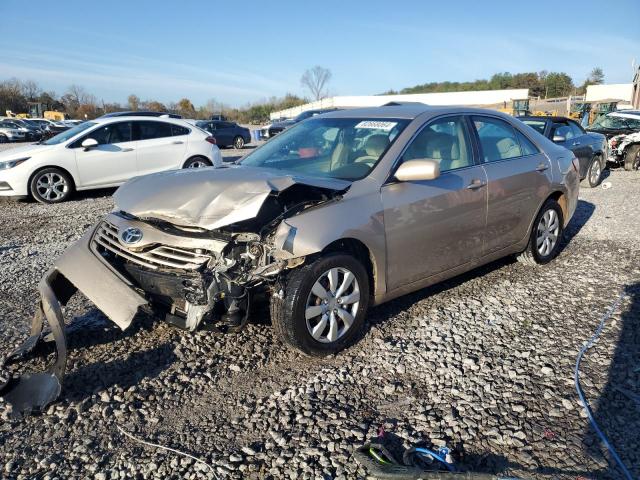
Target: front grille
161,256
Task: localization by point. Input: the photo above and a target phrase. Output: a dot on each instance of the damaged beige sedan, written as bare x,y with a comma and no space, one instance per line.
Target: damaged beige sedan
341,212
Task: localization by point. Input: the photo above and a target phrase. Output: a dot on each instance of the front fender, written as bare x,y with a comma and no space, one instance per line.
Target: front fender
360,218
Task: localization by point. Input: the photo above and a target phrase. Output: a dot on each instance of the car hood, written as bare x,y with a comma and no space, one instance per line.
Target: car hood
210,198
24,151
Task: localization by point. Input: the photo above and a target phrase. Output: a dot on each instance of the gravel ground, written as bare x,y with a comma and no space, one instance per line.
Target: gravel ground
482,363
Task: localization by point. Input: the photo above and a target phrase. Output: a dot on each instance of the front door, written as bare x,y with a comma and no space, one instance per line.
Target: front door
436,225
112,162
519,177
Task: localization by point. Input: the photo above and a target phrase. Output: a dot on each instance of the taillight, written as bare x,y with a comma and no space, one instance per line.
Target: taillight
576,164
211,140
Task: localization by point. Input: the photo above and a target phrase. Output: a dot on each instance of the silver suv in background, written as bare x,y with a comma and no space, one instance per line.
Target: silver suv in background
335,214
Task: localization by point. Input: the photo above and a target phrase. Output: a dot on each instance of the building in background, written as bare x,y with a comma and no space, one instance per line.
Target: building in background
488,98
622,92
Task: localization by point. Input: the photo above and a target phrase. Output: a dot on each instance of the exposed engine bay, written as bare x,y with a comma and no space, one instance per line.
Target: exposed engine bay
195,266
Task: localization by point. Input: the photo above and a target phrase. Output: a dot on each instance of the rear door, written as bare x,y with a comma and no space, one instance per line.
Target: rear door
436,225
519,179
161,145
112,162
224,133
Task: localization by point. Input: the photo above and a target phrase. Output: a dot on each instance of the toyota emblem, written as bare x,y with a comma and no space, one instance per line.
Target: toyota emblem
131,235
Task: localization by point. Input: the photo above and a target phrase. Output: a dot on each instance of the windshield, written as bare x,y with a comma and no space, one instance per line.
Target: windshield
537,125
611,122
67,134
344,148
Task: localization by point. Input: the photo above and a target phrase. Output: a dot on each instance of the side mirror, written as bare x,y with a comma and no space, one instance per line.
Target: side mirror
418,169
559,138
89,143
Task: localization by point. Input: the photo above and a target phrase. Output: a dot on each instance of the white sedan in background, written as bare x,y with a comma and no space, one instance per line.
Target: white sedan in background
103,153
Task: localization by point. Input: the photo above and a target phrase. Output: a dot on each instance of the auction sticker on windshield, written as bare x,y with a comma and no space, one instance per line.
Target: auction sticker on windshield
386,126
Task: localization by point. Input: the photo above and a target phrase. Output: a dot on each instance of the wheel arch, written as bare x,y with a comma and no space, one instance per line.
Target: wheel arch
74,182
197,155
362,253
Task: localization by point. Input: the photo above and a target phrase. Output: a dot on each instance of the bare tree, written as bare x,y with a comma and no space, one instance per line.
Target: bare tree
30,90
134,102
316,79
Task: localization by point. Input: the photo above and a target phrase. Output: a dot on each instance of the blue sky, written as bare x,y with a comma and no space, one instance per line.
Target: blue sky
244,52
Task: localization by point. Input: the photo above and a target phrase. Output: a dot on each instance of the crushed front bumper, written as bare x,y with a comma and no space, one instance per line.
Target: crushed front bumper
79,268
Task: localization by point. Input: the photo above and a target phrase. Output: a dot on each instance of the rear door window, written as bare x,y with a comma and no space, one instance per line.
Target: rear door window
497,139
527,146
151,130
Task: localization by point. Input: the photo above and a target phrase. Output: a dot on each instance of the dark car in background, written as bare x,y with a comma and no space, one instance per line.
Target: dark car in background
34,131
226,133
589,148
277,127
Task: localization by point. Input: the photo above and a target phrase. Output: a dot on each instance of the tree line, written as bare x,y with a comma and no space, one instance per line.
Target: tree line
77,102
541,84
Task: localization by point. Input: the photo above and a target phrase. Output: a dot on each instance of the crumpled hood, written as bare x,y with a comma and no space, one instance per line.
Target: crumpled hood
209,198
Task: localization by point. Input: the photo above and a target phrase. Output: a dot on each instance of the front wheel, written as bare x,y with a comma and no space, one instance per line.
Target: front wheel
632,158
238,143
197,162
3,139
51,185
320,308
546,235
594,174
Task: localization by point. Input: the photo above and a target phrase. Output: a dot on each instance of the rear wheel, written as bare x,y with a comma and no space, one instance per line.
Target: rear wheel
51,185
197,162
594,174
632,158
546,235
238,142
320,308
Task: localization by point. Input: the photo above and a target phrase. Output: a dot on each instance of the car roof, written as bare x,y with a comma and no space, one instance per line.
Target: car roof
408,110
177,121
552,118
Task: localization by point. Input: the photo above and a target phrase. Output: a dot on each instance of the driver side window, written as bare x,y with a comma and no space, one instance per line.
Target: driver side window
444,140
109,134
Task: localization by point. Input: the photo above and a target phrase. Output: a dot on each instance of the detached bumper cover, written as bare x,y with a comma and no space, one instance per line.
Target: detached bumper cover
79,268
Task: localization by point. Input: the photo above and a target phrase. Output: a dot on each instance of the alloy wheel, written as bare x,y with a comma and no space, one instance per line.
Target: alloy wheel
198,164
332,305
52,186
239,143
594,173
547,232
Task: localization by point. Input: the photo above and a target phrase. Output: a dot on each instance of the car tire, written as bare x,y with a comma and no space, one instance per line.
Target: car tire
51,185
238,143
3,139
594,173
542,246
296,298
197,162
632,158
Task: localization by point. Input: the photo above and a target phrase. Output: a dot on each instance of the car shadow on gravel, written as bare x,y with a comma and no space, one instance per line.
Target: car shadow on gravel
584,211
617,409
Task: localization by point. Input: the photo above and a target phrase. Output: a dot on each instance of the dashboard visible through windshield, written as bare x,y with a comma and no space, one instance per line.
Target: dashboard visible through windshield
343,148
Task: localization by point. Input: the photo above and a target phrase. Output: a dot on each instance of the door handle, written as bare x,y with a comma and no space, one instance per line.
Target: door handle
575,143
475,184
542,167
178,142
126,150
